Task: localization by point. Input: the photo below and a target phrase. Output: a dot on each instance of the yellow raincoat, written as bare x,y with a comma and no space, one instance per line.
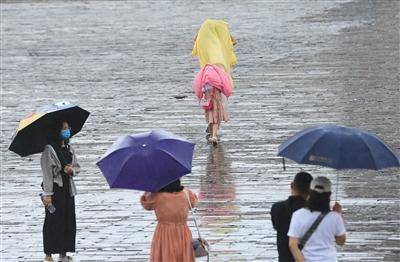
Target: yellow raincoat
214,45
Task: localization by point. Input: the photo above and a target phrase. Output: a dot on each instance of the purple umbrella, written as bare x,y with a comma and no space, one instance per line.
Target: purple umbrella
146,161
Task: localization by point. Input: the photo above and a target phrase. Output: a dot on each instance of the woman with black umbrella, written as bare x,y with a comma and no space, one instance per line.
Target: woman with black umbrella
59,165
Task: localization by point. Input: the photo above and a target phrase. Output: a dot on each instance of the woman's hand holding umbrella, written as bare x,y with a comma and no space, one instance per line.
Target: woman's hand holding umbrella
337,208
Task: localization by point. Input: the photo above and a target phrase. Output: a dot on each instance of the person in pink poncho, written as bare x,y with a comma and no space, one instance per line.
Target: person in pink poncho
213,45
211,86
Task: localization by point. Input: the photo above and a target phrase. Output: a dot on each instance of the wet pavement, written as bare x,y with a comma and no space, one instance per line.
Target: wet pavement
301,63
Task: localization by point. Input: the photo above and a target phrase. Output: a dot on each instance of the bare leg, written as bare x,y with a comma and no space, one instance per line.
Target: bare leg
214,130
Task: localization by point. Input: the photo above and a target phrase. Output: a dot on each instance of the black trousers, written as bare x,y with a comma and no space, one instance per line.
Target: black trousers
59,229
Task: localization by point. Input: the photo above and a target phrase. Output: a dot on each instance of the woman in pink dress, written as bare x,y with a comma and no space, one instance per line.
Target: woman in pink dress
172,240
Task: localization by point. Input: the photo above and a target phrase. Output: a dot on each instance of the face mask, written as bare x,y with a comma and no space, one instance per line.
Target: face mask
65,134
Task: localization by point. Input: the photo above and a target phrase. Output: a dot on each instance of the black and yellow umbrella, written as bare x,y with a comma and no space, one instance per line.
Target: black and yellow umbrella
34,130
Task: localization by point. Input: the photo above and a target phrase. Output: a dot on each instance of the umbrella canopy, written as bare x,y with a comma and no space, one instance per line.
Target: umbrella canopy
339,147
146,161
34,130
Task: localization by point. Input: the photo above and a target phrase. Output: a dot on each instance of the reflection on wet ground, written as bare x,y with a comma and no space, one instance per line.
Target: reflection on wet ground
217,193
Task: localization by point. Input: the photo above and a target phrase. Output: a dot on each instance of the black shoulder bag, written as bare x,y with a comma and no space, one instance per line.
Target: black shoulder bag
311,230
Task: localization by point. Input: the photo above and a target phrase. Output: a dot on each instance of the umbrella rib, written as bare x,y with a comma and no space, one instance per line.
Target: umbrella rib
172,156
175,139
122,166
151,167
302,159
370,151
387,147
146,158
166,152
337,168
293,138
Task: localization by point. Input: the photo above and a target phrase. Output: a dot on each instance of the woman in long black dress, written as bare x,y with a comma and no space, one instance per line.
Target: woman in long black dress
59,165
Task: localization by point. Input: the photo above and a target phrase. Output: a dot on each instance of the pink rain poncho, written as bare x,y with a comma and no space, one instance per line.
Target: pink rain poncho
213,76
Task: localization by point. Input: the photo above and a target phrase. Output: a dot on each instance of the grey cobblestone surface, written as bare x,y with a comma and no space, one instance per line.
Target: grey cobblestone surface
300,63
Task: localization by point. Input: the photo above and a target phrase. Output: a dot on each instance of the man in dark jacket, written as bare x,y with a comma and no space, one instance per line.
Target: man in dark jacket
281,213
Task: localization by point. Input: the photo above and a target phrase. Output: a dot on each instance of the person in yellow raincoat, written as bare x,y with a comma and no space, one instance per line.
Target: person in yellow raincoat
213,45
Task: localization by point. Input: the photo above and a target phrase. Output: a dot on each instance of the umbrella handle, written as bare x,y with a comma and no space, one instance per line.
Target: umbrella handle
337,186
283,162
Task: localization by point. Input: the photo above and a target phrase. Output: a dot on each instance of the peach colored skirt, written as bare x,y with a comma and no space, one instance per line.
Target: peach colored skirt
219,111
172,242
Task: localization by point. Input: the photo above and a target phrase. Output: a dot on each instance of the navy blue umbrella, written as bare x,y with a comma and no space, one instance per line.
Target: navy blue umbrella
339,147
146,161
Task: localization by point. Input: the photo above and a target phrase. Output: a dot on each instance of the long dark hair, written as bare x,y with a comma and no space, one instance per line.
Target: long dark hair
318,201
172,187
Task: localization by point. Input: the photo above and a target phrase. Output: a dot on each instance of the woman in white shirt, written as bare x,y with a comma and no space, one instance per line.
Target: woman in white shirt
321,245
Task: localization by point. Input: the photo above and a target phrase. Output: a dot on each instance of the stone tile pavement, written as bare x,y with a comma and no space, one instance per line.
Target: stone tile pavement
300,63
